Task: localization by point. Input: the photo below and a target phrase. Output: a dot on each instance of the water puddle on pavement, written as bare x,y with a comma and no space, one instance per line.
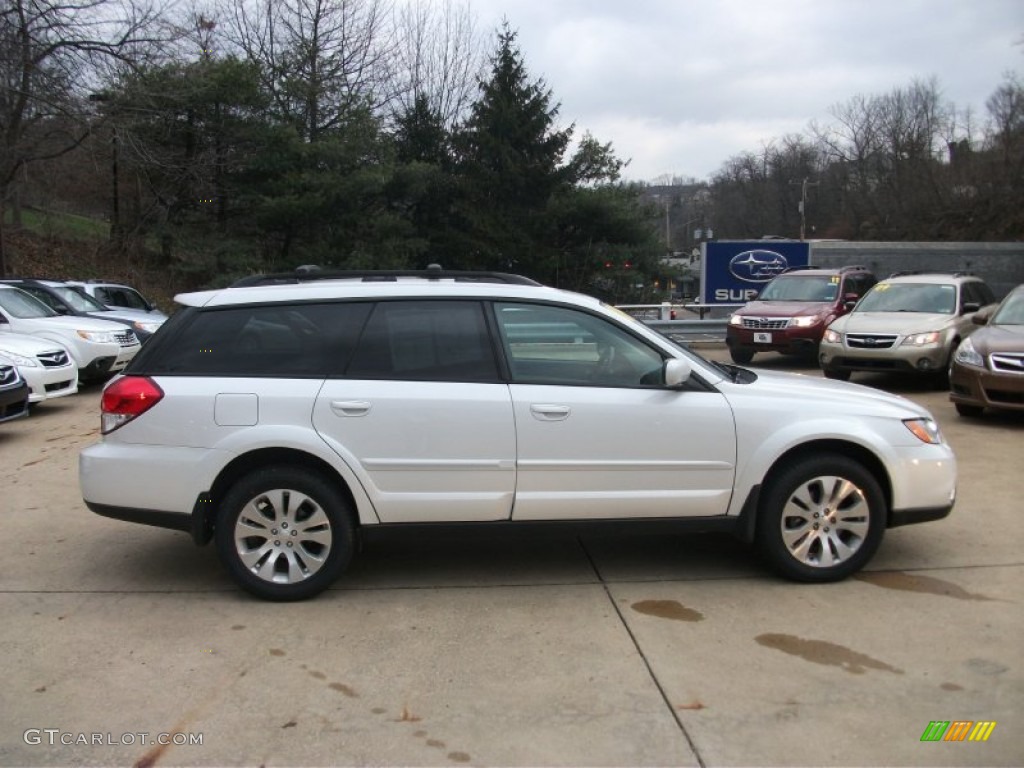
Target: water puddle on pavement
667,609
909,582
824,652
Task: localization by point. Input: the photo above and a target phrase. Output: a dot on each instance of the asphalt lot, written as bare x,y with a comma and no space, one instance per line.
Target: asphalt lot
526,651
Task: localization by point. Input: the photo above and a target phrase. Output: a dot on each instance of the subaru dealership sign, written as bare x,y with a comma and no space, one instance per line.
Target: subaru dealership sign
734,272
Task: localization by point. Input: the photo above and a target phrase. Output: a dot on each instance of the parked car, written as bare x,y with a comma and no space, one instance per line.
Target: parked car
98,347
45,365
988,367
13,392
117,296
435,398
791,313
909,323
66,300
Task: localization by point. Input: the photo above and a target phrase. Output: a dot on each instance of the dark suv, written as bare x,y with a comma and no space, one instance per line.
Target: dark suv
792,311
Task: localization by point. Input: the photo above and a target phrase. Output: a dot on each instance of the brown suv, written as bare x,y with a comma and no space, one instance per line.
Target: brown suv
791,313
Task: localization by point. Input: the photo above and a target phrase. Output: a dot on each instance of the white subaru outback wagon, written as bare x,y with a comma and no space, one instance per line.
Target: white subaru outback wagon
287,418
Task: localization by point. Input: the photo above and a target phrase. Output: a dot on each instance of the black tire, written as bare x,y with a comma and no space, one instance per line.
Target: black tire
850,524
300,533
741,355
836,374
970,411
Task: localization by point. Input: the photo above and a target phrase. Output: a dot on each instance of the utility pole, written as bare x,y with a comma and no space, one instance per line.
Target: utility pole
803,203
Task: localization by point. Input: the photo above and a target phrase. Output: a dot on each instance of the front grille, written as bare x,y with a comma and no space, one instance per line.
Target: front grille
1007,363
53,359
870,340
126,339
765,323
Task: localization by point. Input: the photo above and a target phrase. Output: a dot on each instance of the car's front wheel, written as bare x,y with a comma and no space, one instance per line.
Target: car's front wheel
741,355
836,374
821,519
970,411
284,533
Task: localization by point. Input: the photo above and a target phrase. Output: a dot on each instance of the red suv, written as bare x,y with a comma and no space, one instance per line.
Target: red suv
791,313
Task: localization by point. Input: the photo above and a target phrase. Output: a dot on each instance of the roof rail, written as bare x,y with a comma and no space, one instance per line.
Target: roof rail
909,272
311,272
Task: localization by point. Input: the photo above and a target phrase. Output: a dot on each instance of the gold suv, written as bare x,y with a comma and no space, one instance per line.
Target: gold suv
909,323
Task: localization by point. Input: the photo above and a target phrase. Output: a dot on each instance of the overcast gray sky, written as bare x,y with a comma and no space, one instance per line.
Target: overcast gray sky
680,86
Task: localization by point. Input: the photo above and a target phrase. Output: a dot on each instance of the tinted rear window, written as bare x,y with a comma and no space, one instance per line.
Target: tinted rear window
295,340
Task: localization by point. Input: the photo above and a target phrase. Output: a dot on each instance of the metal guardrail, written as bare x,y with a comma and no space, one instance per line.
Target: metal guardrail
663,318
689,331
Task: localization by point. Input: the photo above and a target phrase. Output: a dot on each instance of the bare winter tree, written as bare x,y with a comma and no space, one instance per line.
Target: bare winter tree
52,54
320,59
439,56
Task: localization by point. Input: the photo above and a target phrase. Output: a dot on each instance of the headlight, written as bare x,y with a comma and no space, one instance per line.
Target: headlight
925,430
920,339
833,337
139,325
804,322
735,319
20,360
966,354
100,337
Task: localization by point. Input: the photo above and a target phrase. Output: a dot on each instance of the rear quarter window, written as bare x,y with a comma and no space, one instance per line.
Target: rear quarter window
297,340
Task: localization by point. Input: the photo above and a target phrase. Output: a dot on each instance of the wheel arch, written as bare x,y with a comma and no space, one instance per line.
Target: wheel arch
206,509
816,448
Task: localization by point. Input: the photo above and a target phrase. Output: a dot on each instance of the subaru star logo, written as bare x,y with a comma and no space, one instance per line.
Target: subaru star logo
758,266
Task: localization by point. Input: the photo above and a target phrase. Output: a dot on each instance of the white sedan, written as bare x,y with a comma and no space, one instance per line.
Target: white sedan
46,366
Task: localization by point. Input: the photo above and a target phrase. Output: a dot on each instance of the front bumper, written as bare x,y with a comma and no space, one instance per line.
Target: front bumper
802,341
47,383
983,388
922,360
14,402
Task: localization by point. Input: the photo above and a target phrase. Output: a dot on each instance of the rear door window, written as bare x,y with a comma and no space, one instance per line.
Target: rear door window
426,341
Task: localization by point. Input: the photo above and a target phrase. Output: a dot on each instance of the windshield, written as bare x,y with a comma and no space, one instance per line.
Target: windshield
910,297
1011,311
17,303
803,288
78,301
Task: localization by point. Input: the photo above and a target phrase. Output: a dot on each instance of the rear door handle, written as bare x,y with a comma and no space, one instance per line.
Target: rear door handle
545,412
350,407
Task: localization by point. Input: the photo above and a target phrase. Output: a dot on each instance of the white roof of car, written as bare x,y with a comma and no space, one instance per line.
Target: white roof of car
319,290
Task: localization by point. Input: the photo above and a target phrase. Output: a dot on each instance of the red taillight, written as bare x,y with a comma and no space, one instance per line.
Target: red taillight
127,398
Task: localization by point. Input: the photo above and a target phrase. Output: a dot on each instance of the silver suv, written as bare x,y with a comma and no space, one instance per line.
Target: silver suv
289,418
909,323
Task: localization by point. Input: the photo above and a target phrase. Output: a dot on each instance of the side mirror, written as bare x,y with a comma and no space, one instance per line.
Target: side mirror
849,299
677,372
981,318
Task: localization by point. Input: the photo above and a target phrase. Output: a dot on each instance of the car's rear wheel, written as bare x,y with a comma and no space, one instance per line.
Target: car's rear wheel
836,374
284,533
821,519
741,355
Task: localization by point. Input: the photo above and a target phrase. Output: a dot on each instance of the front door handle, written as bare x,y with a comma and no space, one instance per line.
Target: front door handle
350,407
545,412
